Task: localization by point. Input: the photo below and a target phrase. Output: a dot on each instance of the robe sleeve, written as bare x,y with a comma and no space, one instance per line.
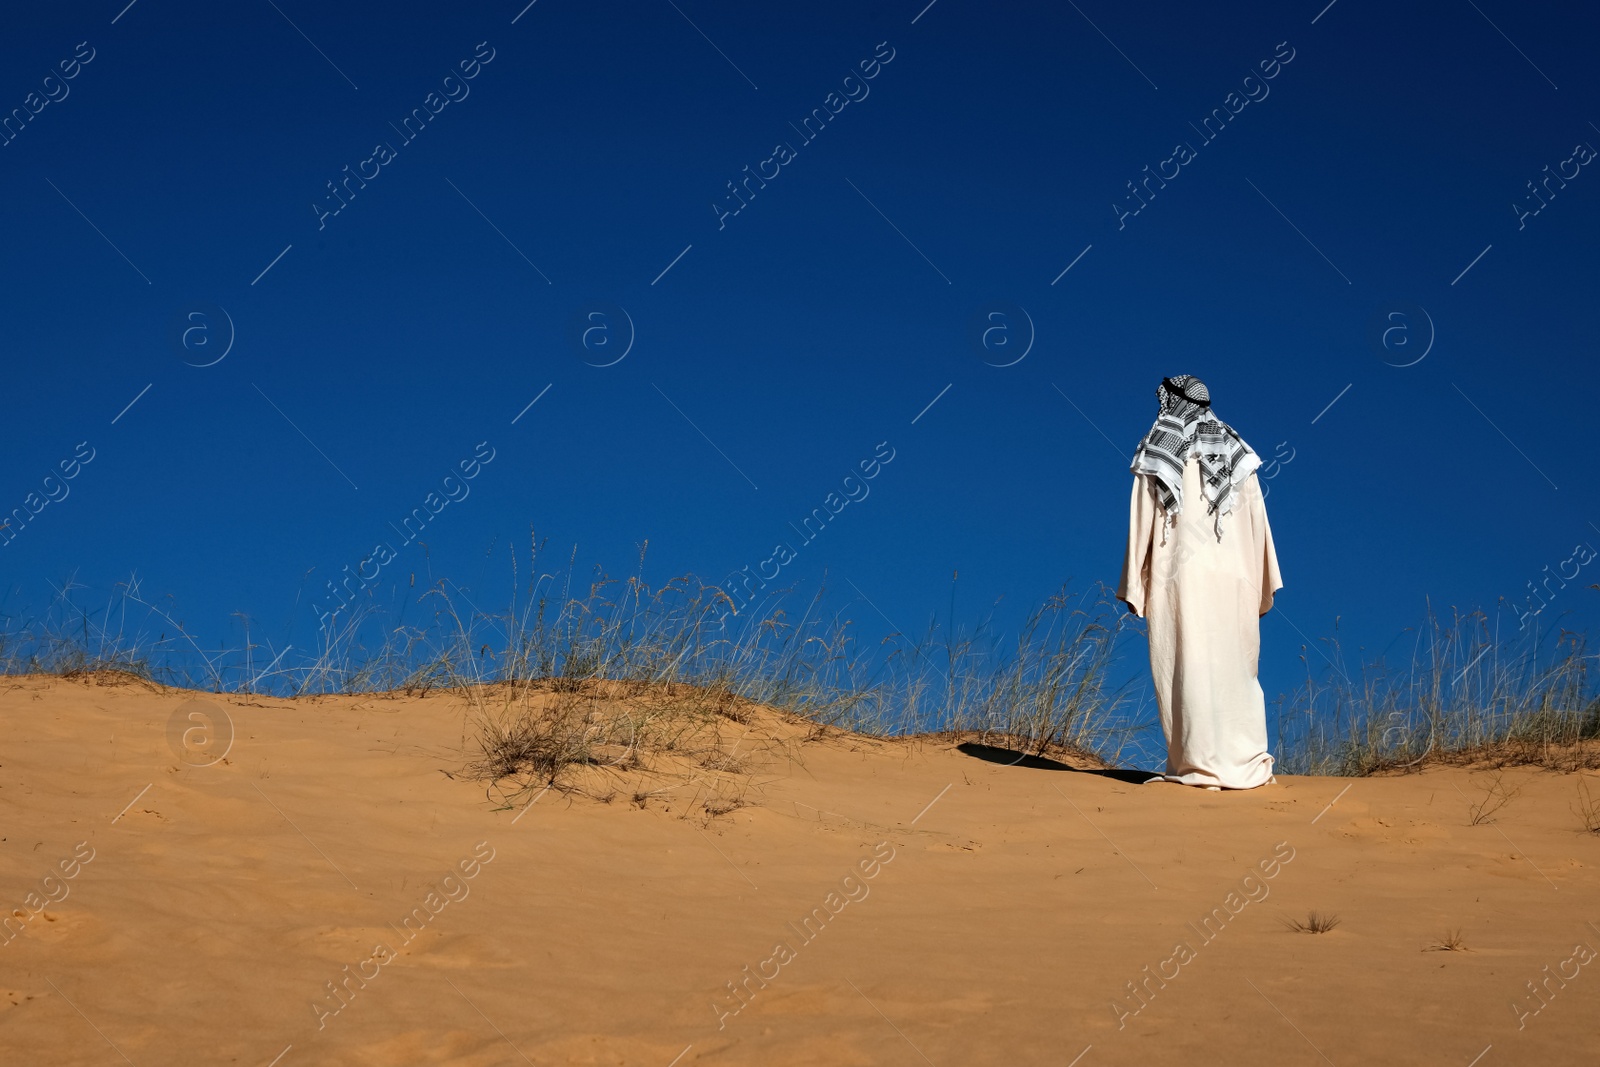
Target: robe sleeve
1136,561
1271,579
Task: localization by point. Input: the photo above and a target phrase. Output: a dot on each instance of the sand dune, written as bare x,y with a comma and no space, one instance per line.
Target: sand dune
871,902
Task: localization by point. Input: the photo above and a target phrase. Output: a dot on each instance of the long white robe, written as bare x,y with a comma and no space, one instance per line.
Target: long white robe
1203,599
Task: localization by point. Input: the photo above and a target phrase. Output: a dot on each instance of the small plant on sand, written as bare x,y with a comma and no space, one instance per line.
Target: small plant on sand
1496,796
1588,807
538,740
572,673
1467,695
722,805
1450,942
642,797
726,762
1315,923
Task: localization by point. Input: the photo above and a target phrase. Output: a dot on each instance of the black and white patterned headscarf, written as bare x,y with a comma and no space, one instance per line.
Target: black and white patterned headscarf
1186,427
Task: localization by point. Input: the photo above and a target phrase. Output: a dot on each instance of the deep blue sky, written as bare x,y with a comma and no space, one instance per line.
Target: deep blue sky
1386,156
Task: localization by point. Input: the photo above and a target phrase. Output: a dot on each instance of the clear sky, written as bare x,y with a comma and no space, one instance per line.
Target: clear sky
734,251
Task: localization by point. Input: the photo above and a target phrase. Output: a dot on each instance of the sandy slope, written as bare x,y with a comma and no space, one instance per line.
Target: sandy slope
1002,924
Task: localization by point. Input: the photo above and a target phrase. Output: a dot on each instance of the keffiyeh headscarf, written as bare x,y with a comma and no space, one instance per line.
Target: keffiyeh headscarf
1186,427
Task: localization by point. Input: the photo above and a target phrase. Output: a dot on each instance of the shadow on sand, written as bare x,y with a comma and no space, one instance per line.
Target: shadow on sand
1010,758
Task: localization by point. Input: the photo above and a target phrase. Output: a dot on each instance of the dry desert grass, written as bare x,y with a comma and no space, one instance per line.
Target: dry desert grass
641,856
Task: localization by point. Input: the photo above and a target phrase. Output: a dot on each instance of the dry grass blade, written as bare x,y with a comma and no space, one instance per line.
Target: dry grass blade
1588,807
726,762
1466,696
1496,796
1450,942
644,669
1315,923
715,806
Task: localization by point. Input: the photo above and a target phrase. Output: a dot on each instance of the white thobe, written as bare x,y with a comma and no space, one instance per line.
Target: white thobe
1203,598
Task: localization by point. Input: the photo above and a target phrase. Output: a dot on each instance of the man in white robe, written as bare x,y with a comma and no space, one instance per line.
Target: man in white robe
1201,568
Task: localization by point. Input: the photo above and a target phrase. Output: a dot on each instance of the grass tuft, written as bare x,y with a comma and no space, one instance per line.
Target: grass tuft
1588,807
1465,697
569,677
1315,923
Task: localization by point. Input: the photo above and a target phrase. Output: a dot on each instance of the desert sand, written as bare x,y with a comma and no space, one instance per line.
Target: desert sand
871,901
